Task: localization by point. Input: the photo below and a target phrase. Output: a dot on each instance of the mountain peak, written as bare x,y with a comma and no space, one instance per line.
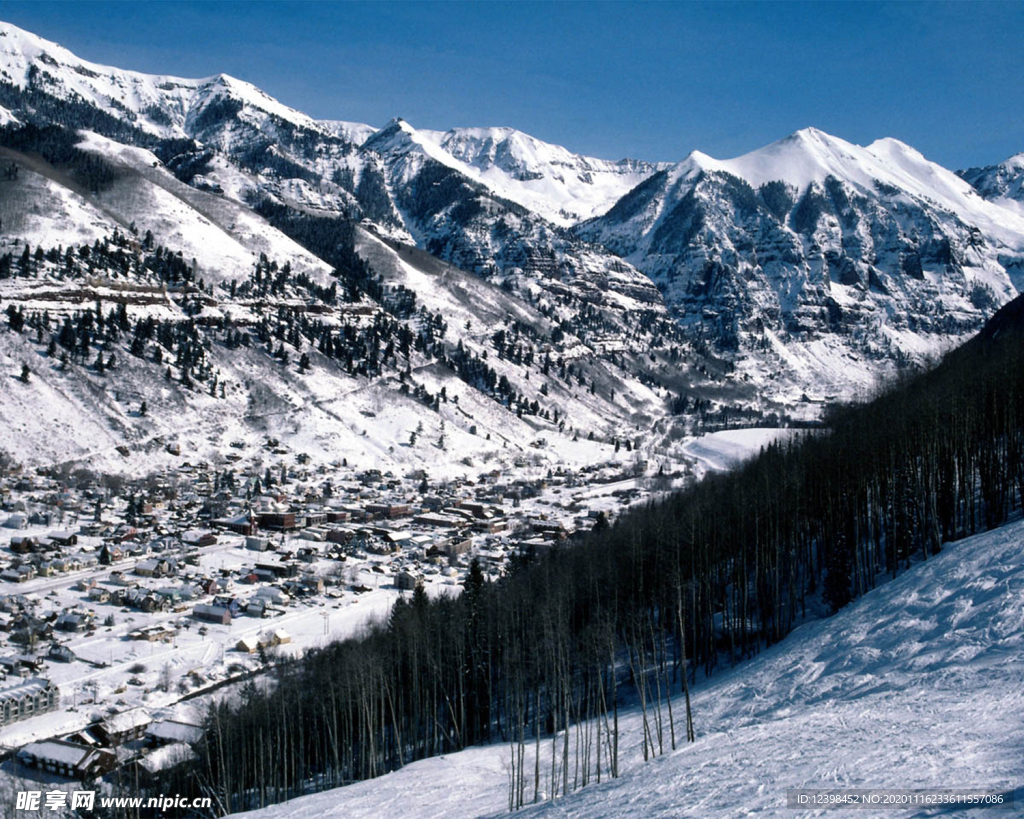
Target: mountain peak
396,134
809,134
398,124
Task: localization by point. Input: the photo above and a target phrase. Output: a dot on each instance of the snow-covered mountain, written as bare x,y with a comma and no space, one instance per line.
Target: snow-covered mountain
826,251
161,105
486,200
550,180
809,267
1002,183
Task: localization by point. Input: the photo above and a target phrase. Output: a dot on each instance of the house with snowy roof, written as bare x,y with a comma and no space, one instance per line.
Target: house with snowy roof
119,728
68,758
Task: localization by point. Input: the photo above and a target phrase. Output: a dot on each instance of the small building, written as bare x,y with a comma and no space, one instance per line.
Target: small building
279,637
258,544
120,728
340,535
277,521
61,653
64,538
407,581
438,520
169,731
257,607
212,614
23,544
198,538
244,524
388,510
272,596
42,518
98,594
111,553
315,518
455,546
73,621
68,759
279,570
248,645
491,526
153,567
162,759
307,554
152,634
550,529
19,574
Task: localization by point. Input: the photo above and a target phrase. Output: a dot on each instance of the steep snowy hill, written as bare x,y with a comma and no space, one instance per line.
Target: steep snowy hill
916,685
100,304
1002,184
222,136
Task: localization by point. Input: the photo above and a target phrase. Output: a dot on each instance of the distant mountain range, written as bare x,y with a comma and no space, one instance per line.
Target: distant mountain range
804,269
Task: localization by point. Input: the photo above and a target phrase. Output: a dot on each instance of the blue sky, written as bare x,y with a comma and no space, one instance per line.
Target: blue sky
649,80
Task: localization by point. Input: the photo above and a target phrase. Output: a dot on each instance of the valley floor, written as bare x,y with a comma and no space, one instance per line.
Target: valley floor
918,684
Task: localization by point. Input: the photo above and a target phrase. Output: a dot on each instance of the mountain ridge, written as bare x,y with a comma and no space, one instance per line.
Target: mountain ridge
808,267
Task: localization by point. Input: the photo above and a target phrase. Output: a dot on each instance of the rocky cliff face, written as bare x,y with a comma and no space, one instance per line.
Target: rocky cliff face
1004,181
870,251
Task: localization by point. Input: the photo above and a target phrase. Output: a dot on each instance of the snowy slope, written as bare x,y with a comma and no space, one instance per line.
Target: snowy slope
226,237
1005,180
721,451
1002,184
915,685
355,132
45,208
548,179
162,105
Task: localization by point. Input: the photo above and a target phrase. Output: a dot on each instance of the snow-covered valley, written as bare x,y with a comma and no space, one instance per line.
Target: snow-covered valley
327,448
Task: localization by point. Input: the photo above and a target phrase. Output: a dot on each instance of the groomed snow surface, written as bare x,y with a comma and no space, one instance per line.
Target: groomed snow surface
720,451
918,684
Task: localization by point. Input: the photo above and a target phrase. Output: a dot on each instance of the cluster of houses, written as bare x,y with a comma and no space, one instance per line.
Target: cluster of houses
299,518
141,548
130,738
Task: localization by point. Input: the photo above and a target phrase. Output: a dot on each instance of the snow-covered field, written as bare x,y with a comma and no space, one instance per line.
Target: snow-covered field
917,684
719,451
